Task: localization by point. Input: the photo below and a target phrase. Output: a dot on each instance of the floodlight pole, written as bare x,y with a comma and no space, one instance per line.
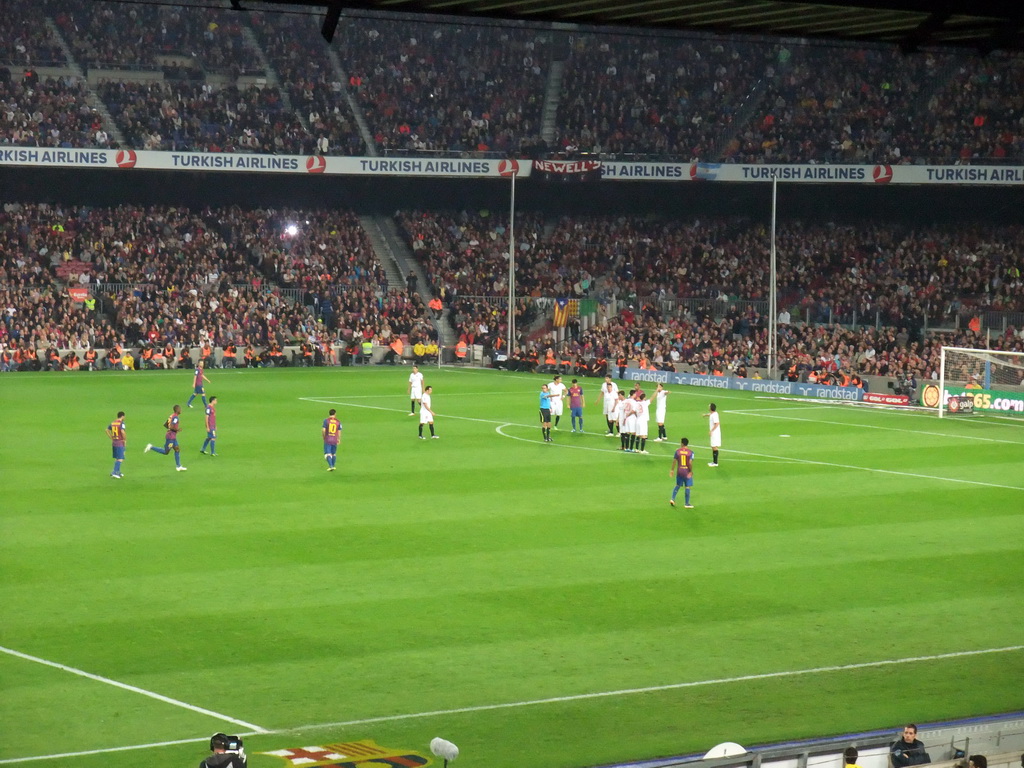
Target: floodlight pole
511,270
773,314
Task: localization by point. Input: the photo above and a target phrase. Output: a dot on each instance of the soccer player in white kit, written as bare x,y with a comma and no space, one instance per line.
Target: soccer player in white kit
557,391
714,432
619,415
643,418
660,405
627,425
609,397
427,413
415,389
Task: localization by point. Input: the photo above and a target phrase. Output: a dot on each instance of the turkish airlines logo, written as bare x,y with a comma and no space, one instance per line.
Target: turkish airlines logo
882,174
316,164
508,168
126,158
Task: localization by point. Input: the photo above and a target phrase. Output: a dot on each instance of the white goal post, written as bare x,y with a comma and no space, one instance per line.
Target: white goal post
978,381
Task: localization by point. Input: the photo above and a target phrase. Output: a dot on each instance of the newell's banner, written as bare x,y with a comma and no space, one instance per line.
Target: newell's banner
566,170
747,385
484,168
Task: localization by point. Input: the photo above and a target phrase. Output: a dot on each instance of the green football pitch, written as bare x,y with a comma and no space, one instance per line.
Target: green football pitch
540,605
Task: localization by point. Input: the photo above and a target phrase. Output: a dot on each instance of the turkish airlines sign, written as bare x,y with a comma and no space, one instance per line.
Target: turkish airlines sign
480,168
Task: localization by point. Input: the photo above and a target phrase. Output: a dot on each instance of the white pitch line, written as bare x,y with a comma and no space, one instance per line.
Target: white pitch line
773,457
556,443
881,427
406,397
132,688
657,688
556,699
106,750
880,471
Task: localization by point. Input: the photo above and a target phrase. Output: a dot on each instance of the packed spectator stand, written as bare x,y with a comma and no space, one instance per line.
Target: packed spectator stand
187,278
209,80
172,275
187,74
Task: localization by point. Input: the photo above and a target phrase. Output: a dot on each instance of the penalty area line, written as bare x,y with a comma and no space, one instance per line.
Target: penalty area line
132,689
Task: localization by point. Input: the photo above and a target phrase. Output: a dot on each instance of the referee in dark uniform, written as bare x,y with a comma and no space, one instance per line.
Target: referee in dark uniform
545,413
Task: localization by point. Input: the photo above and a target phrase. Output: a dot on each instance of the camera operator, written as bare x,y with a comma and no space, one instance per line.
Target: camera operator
227,753
905,384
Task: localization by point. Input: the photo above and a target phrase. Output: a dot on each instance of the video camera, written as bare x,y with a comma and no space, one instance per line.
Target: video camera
232,744
905,385
227,752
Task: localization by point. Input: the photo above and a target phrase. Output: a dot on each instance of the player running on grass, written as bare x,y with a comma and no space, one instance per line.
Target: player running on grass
173,425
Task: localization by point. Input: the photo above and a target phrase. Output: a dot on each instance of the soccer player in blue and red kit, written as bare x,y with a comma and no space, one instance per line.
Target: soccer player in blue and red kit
211,426
332,436
576,404
173,424
197,384
115,431
682,468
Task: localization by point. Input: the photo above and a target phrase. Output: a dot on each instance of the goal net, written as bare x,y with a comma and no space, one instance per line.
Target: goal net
978,381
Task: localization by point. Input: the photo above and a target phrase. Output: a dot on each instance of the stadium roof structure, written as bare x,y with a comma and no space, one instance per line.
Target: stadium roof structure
979,25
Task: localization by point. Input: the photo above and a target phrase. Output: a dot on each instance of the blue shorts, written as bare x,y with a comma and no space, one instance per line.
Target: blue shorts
330,449
171,444
118,452
211,434
576,413
197,391
684,481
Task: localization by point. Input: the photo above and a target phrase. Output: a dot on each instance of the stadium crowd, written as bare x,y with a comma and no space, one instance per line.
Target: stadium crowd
28,42
893,278
160,276
314,86
229,276
51,112
185,116
109,35
450,88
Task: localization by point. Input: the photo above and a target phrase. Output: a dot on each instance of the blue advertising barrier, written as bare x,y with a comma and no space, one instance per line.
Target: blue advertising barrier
766,386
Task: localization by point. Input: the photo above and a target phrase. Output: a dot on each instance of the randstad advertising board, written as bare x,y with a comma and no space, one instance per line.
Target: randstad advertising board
764,386
483,168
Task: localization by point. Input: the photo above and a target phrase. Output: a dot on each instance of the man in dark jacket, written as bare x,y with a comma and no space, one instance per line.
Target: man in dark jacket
908,750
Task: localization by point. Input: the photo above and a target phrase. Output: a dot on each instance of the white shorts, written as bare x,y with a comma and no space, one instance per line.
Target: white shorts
716,442
641,428
426,417
556,407
630,425
415,393
659,416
